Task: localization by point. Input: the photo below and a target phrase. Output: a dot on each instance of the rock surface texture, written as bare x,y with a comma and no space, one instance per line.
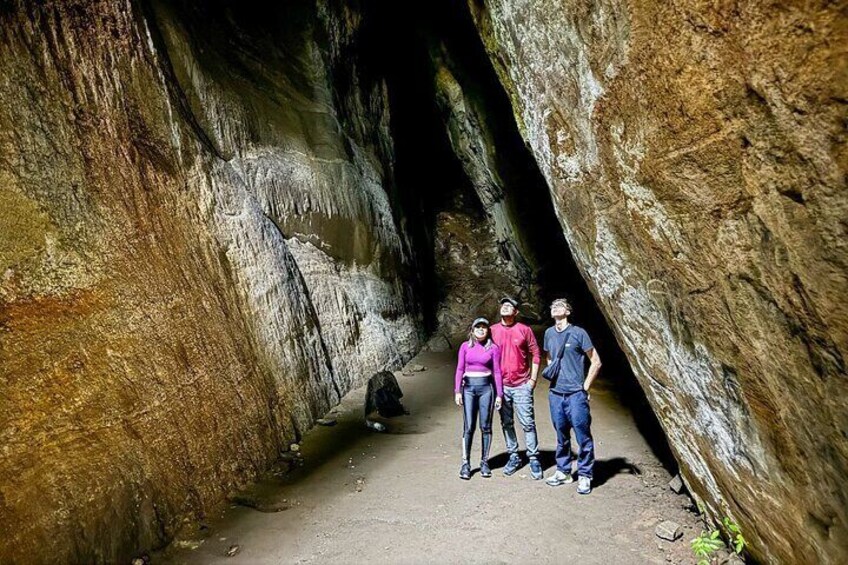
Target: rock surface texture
203,244
198,257
696,155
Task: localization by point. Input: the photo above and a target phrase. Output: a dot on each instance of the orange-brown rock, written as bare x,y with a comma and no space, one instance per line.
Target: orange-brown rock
197,252
696,155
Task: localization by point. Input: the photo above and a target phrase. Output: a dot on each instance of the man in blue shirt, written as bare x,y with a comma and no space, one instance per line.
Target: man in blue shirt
569,395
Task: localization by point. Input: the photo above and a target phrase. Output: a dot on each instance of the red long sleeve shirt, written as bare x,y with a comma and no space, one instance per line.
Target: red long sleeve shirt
518,350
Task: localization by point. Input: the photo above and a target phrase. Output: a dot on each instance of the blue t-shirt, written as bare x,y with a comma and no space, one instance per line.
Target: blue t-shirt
572,369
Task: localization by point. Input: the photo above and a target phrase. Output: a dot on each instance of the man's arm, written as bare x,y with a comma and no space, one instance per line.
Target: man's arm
534,352
594,367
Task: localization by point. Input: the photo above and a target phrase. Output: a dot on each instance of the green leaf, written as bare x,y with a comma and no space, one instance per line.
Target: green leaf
715,534
731,526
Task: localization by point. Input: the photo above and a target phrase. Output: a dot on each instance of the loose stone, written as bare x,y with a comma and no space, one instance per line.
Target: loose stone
668,530
376,426
676,484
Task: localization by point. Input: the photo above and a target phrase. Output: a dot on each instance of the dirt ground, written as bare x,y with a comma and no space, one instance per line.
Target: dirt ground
395,497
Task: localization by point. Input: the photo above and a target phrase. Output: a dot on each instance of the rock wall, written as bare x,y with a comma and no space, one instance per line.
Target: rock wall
479,253
474,144
198,257
696,155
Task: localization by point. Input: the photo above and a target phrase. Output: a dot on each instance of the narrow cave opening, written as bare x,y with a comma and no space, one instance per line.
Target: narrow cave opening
408,46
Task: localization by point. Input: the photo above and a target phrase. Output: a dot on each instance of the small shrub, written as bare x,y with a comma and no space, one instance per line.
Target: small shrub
706,544
709,542
736,538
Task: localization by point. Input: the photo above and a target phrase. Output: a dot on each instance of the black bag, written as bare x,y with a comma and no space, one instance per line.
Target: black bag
383,395
551,372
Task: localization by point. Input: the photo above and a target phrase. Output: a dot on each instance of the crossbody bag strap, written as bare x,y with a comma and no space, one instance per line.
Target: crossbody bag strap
564,341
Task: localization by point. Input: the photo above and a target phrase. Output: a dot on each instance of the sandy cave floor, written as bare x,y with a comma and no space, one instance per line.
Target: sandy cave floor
395,497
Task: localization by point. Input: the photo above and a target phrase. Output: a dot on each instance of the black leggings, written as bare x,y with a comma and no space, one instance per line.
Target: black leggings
478,396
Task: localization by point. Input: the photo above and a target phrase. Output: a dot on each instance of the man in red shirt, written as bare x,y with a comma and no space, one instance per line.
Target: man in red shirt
519,367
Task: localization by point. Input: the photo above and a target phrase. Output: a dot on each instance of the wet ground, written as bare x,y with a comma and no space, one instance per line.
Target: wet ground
395,497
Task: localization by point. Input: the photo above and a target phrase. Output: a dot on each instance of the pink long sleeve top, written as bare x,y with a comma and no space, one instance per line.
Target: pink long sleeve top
478,359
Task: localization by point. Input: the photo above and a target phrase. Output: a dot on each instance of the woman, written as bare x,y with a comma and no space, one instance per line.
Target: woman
478,389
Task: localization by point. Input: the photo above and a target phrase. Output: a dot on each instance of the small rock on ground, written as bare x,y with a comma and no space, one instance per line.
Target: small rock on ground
668,530
376,426
290,458
233,550
326,421
438,343
676,484
412,369
188,544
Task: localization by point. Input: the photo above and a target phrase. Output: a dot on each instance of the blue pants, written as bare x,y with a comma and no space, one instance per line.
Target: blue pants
478,397
518,401
567,412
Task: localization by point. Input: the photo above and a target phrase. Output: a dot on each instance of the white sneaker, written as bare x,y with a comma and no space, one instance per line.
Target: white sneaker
559,478
584,485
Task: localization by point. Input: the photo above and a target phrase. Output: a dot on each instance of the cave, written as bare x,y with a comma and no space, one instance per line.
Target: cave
430,174
218,220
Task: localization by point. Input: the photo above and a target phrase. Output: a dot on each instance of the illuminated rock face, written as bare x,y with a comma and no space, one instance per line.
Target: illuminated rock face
198,257
696,156
199,250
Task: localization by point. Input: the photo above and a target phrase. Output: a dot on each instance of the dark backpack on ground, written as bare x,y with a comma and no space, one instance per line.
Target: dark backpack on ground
383,395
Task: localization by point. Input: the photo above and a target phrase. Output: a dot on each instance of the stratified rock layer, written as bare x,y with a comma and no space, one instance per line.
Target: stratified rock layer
197,252
696,155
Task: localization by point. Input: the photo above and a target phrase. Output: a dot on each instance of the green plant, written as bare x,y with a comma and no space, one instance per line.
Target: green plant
709,542
706,544
736,538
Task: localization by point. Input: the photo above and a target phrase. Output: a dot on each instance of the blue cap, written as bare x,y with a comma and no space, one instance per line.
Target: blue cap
512,301
478,321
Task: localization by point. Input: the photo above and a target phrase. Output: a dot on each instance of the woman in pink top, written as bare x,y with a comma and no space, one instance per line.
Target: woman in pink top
478,380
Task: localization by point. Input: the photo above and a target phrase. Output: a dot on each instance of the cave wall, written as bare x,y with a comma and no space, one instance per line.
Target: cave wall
194,225
696,155
480,255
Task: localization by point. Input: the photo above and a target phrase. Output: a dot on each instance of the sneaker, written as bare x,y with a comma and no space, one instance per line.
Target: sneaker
536,470
465,471
485,471
512,465
560,478
584,485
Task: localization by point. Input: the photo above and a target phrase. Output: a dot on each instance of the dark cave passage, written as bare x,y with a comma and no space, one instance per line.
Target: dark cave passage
431,181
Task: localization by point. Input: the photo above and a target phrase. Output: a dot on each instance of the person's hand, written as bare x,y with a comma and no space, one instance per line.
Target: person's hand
498,402
588,396
532,384
458,398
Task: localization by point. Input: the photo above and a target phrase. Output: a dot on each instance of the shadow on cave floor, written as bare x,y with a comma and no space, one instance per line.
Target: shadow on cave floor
603,471
362,496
